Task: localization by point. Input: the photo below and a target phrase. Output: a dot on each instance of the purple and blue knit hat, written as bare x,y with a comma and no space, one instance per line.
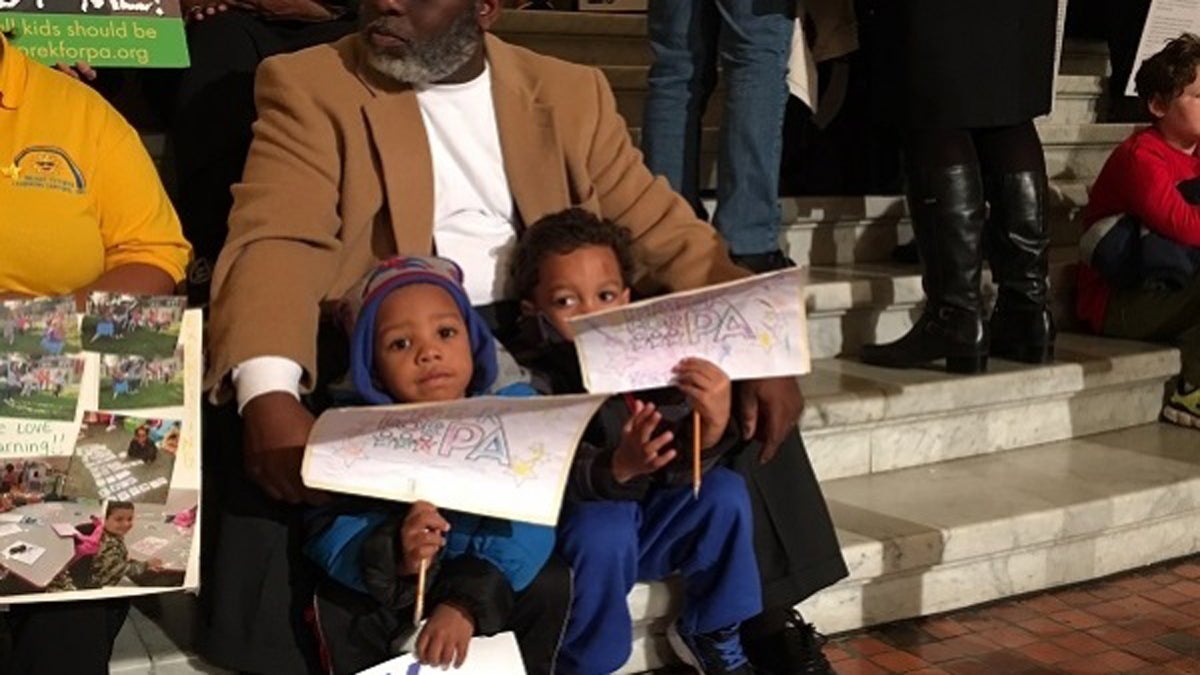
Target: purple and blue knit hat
399,272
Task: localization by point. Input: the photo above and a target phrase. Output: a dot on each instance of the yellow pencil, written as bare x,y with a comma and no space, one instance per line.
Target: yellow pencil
420,608
695,454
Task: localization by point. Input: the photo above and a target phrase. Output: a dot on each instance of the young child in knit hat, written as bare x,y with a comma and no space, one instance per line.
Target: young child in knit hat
416,339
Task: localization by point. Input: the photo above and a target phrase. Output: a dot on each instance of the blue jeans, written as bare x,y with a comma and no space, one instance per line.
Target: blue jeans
753,39
612,545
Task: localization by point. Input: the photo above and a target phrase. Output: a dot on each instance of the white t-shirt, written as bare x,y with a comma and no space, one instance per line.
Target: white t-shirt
473,211
472,204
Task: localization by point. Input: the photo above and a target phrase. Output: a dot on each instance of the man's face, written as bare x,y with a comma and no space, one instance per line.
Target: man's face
422,350
119,522
420,41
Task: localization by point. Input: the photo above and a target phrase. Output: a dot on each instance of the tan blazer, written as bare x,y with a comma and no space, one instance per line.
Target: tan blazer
339,175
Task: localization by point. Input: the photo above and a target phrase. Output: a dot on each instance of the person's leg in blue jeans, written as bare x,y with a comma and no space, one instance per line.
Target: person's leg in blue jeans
754,45
683,38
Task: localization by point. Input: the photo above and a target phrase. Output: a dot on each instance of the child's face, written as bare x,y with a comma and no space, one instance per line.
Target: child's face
140,435
1180,117
583,281
119,522
422,351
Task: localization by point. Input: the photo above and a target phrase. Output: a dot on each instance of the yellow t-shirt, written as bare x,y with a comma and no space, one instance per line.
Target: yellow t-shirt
78,194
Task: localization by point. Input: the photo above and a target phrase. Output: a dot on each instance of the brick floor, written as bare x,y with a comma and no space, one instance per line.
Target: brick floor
1141,622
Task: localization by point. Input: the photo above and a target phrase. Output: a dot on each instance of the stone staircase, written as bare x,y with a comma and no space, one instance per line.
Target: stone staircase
946,491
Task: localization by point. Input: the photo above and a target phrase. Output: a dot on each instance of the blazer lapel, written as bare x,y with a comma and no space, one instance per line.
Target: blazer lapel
398,132
533,158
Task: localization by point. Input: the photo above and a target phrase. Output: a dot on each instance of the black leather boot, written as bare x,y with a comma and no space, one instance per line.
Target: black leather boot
948,215
1022,329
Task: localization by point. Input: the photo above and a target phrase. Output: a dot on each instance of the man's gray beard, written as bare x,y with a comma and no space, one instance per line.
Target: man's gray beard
434,60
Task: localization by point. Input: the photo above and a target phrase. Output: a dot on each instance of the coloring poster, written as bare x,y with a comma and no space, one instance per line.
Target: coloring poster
495,456
752,328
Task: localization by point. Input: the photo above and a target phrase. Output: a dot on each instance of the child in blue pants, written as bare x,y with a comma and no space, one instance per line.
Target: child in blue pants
630,513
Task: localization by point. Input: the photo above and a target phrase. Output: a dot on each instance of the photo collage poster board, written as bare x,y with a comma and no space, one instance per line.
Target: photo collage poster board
99,447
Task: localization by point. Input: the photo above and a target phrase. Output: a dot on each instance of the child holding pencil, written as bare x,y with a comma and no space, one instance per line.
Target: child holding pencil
633,511
417,340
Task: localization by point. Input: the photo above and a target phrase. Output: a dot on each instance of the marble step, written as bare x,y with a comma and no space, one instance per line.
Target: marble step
837,230
158,639
935,538
1078,97
862,419
853,304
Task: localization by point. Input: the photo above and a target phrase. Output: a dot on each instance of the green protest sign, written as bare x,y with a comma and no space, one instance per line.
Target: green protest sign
139,34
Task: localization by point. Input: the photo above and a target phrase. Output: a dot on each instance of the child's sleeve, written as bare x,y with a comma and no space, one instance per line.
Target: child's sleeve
1155,198
113,562
679,471
358,548
591,477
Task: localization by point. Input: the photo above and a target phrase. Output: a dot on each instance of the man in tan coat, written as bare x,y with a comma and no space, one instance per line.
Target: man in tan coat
423,131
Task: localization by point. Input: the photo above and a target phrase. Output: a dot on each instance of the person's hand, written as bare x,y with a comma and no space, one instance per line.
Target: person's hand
768,410
154,565
640,451
710,393
422,534
199,10
444,639
82,70
276,428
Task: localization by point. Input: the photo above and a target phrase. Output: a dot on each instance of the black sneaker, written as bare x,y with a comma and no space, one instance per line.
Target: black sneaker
795,650
716,653
764,262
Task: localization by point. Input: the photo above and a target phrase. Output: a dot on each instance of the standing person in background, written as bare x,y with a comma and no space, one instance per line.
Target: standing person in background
975,73
73,158
752,41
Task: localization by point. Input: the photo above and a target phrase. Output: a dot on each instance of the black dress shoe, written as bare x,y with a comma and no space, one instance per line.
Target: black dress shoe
764,262
795,650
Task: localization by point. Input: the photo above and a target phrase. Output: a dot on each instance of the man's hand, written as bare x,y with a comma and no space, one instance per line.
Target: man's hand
640,451
444,639
422,535
82,70
276,431
709,391
769,410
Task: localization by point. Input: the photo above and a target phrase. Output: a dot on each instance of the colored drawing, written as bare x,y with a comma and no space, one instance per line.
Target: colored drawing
506,457
751,328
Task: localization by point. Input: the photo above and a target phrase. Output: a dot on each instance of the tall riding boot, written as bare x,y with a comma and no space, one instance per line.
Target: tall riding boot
948,215
1022,329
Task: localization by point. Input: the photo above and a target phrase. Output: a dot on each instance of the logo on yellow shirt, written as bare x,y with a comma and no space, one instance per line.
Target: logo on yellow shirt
46,167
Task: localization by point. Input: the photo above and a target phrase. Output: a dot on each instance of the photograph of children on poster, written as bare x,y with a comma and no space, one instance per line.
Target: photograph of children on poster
99,457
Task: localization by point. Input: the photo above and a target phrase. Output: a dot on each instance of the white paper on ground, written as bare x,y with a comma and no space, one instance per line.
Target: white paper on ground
29,555
496,655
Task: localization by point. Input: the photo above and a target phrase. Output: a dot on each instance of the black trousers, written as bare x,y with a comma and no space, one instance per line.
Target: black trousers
64,637
210,122
357,633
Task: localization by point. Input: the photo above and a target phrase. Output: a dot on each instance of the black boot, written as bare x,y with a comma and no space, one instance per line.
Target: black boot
948,216
1022,329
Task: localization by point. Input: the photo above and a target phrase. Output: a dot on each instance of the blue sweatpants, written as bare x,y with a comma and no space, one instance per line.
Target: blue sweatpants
611,545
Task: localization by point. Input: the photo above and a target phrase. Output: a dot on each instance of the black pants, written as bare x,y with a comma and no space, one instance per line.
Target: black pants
214,109
65,637
358,634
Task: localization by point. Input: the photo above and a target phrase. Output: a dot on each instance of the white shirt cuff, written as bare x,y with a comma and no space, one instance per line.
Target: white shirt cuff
263,375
